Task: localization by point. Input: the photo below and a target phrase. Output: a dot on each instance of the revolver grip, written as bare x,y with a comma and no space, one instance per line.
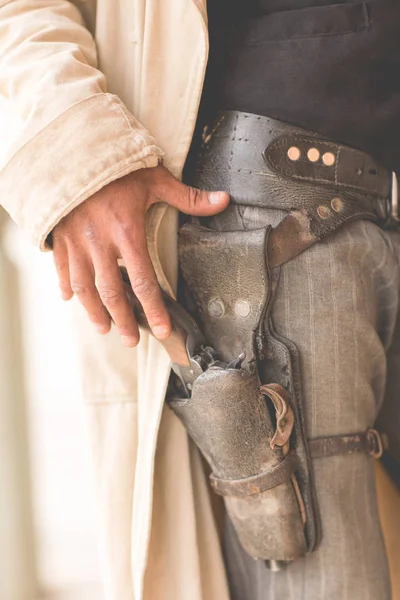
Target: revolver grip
186,337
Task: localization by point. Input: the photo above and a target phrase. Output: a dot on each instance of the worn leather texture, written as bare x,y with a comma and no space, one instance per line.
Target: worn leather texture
233,276
246,155
228,276
279,362
228,419
369,442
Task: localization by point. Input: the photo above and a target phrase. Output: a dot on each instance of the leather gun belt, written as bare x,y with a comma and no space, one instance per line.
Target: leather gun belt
322,184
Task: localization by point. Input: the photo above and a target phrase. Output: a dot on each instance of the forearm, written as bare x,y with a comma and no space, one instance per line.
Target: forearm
73,138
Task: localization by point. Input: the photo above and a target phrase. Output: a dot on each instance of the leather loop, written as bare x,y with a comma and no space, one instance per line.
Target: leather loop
283,412
266,480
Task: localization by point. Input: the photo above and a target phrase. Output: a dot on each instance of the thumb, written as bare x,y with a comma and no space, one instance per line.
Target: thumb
195,202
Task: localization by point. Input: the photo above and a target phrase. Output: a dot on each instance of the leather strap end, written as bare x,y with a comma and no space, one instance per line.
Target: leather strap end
368,442
250,486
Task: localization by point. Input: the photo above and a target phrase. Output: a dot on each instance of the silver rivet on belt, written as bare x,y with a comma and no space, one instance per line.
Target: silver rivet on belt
323,212
216,308
242,308
336,204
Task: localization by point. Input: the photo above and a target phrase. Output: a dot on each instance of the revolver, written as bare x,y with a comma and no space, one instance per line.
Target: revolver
186,346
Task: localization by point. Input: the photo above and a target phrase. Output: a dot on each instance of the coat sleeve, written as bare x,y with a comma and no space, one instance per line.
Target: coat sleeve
70,136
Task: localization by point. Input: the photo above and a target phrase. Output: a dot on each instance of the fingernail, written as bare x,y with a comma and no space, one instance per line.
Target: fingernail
128,341
215,198
102,329
161,332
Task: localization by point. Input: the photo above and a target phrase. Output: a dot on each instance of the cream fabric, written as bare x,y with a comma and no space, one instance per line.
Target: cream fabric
75,132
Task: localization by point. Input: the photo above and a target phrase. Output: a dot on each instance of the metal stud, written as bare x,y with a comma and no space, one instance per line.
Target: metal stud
216,308
323,212
337,204
313,155
242,308
328,159
294,153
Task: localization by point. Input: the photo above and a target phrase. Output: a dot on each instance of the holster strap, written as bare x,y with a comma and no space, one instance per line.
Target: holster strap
242,488
368,441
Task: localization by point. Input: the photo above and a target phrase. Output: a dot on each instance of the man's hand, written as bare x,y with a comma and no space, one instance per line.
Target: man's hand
110,225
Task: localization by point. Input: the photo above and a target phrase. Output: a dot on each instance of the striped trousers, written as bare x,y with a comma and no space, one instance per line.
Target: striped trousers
338,302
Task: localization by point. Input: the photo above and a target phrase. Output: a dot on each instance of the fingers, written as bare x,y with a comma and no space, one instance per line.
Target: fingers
111,292
193,201
93,275
60,257
144,281
111,224
83,286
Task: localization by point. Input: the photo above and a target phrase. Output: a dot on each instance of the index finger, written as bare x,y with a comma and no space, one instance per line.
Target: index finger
144,282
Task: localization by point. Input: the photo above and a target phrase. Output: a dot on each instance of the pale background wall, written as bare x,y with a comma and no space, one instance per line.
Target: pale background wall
47,527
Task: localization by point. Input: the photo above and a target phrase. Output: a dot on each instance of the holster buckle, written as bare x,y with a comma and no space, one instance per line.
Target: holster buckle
394,204
375,445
